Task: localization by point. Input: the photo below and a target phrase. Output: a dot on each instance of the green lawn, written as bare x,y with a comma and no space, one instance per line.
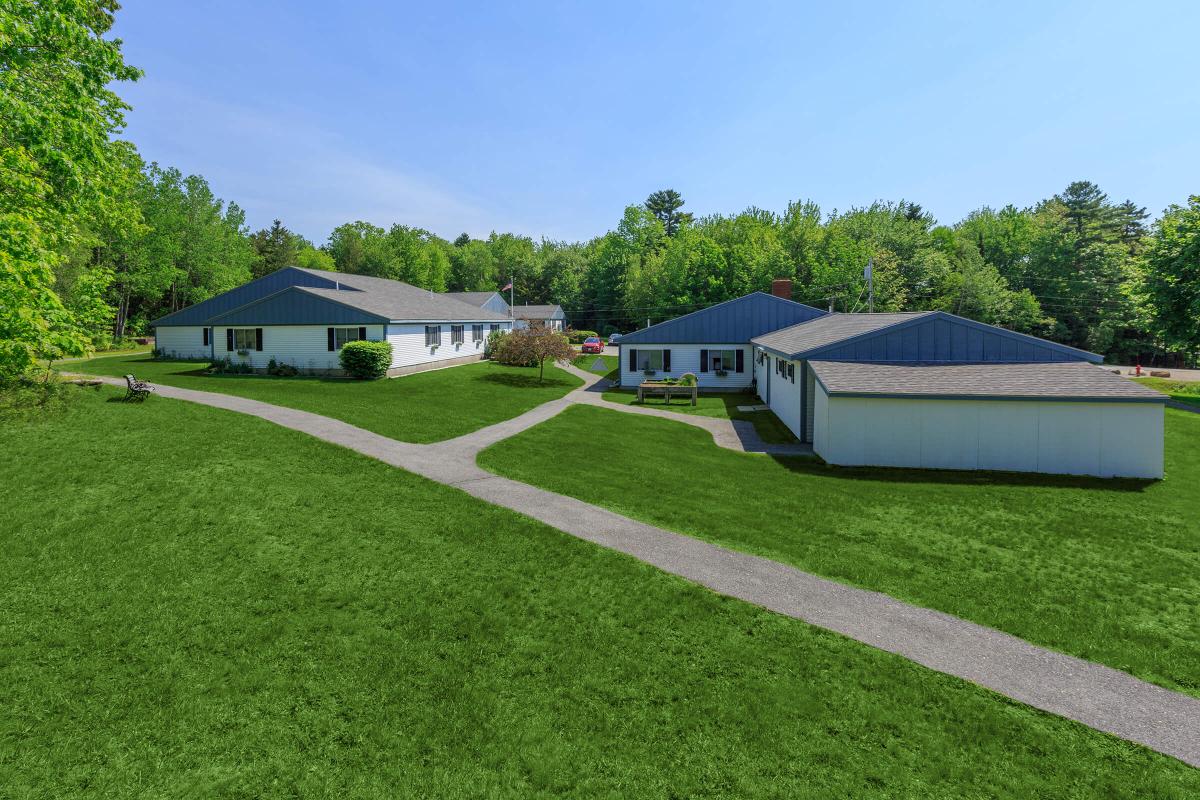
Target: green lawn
717,404
189,615
1105,570
587,360
1183,391
425,407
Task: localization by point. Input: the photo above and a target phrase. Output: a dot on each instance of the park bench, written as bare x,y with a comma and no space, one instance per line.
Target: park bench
135,389
667,389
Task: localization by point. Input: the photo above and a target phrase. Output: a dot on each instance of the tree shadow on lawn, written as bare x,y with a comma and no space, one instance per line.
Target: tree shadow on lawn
523,381
815,467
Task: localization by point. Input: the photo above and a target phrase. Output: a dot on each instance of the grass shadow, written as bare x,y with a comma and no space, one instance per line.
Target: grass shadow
815,467
523,381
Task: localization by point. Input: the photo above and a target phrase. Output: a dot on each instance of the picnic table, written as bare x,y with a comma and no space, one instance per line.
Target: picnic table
658,387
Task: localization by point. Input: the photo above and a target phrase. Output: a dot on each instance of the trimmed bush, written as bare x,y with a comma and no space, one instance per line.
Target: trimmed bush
495,344
687,379
577,337
366,359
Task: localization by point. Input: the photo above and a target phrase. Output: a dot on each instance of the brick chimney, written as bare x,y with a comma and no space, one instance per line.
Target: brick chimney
782,287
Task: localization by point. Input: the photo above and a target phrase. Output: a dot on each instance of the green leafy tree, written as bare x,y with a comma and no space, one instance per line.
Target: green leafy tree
1169,281
473,267
58,117
665,204
276,247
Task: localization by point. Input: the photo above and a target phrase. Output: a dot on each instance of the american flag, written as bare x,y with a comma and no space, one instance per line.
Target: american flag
506,287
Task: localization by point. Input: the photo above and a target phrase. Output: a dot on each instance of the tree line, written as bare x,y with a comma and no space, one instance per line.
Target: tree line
95,243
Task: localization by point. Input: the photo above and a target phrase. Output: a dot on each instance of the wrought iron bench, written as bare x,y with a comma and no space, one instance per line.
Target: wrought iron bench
135,389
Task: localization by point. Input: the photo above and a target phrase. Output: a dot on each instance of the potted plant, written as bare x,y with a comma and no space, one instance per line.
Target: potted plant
721,373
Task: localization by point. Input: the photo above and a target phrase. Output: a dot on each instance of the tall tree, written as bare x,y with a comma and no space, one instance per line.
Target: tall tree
665,204
276,248
1169,281
58,118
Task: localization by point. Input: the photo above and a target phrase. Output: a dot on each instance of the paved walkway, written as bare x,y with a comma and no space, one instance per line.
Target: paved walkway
1098,696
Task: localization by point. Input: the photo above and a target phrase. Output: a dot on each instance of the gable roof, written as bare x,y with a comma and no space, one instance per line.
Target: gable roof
1070,380
474,298
930,336
299,305
731,322
829,329
374,298
537,312
200,313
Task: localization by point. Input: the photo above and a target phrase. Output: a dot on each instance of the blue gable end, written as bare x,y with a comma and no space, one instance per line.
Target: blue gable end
199,313
942,337
293,306
732,322
497,304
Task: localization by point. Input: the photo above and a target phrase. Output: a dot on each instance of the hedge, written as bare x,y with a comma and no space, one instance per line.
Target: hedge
577,337
366,359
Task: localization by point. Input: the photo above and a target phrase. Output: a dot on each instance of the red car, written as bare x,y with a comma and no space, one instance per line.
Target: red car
592,344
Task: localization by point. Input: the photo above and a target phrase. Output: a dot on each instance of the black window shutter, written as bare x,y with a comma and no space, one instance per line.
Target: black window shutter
666,360
229,339
258,339
632,360
362,333
703,360
205,336
740,360
330,332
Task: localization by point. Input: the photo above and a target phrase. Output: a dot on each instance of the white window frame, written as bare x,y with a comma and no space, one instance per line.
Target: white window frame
716,360
433,335
457,334
477,332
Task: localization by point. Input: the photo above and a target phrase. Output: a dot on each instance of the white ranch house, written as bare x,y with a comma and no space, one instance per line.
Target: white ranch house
921,389
303,317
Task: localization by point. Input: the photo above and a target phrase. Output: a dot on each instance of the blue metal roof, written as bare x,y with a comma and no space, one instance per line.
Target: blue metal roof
732,322
200,313
931,337
295,306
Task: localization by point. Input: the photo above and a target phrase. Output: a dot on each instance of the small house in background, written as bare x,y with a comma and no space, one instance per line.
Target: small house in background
551,317
712,343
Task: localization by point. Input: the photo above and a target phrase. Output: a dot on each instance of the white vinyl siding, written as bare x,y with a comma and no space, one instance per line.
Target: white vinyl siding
1110,439
409,346
305,347
785,391
182,341
686,358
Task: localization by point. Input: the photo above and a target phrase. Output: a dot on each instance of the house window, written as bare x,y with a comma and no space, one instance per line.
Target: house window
456,334
343,335
791,368
243,338
433,335
722,360
476,333
494,327
650,359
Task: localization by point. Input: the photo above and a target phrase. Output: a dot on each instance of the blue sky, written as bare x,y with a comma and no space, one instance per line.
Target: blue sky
549,118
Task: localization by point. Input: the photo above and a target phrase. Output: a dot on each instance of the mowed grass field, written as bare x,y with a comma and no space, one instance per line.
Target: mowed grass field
717,404
425,407
1106,570
198,603
1183,391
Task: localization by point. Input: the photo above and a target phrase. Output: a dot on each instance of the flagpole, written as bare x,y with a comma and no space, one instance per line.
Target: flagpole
870,288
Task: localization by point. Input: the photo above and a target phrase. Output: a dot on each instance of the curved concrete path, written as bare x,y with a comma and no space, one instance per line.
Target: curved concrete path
1092,694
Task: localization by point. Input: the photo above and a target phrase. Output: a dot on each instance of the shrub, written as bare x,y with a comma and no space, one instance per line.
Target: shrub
577,337
281,369
687,379
366,359
495,343
532,346
227,366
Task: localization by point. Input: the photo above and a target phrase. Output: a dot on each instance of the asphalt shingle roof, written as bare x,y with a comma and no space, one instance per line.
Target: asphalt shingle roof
474,298
829,329
1075,380
397,300
536,312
